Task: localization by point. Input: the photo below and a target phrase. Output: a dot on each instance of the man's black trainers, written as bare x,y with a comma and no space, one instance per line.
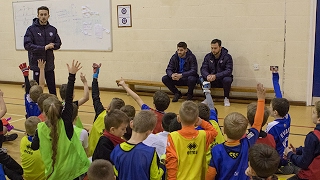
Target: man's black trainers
10,137
176,97
189,97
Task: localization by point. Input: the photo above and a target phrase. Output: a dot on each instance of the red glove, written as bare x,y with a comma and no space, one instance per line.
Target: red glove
6,123
25,69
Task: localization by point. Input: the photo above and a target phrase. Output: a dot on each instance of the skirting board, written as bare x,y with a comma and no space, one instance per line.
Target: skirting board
315,99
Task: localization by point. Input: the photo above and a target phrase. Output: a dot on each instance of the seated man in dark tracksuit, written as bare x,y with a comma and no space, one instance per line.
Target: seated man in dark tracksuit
181,71
217,68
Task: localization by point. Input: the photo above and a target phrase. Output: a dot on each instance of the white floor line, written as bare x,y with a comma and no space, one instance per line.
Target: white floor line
16,132
11,121
87,124
15,114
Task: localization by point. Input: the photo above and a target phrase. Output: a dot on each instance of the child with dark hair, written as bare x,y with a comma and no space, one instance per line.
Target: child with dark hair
264,137
167,120
130,112
100,112
60,148
280,127
159,141
207,114
308,157
81,101
133,159
263,162
101,169
175,125
161,102
116,123
230,159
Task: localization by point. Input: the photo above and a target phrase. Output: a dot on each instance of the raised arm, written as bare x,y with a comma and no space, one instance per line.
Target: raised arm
206,90
258,118
131,93
68,107
276,86
211,132
98,107
3,110
25,71
41,66
85,96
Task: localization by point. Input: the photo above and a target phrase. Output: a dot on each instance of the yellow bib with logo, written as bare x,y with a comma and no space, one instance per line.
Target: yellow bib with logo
31,162
218,140
191,155
96,132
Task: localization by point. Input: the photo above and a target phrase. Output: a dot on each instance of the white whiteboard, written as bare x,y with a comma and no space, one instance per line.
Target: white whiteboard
81,24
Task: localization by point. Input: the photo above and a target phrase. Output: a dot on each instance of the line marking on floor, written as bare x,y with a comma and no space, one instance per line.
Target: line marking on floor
17,120
15,114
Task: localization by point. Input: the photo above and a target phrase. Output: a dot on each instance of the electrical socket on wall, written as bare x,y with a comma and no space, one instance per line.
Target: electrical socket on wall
256,67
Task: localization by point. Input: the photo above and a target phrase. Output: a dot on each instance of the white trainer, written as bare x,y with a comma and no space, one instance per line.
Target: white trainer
206,87
226,102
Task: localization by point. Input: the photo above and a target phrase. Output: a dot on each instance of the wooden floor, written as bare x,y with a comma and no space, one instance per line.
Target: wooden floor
13,96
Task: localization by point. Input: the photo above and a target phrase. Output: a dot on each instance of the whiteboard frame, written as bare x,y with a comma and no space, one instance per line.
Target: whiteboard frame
72,50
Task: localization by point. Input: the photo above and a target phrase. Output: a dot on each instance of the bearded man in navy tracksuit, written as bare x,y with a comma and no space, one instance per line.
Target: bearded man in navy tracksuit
181,71
217,68
40,40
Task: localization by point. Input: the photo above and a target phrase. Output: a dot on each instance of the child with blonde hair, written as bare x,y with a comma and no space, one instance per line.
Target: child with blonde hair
31,161
230,159
186,148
